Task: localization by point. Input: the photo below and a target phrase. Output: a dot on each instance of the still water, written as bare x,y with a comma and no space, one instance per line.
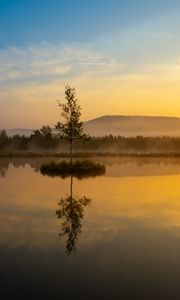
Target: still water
110,237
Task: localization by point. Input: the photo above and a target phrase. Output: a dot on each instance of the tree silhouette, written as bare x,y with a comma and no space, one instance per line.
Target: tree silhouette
71,212
72,128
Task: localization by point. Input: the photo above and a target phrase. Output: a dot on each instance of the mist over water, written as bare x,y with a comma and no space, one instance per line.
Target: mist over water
127,236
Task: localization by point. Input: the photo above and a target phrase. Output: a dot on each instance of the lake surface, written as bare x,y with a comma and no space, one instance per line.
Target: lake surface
118,237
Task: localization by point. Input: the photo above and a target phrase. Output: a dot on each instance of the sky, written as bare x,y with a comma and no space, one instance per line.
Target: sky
122,56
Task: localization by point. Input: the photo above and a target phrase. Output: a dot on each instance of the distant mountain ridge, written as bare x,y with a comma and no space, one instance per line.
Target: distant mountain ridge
124,125
133,125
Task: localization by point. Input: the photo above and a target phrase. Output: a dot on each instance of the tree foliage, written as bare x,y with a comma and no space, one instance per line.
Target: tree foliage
4,141
72,128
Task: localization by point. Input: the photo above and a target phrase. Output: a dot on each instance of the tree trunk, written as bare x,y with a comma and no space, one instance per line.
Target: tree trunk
71,152
71,188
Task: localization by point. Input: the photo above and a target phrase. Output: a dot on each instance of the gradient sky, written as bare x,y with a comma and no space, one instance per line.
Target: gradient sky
123,57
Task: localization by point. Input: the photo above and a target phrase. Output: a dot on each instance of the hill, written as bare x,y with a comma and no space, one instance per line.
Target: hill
133,126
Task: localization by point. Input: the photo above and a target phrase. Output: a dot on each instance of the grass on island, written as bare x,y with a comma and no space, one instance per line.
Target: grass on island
78,169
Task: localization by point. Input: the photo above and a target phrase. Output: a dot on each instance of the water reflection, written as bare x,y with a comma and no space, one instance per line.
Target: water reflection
132,235
4,165
124,166
71,212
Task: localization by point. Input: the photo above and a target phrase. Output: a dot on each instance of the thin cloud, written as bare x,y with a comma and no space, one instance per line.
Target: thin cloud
36,62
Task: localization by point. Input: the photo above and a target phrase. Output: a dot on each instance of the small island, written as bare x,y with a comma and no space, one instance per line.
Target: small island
78,169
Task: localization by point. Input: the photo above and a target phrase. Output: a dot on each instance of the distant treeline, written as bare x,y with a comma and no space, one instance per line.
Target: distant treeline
45,140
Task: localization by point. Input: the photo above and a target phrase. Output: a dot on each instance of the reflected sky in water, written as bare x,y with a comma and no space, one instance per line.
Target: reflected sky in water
128,245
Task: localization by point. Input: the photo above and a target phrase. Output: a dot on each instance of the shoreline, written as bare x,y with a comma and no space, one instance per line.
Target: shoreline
85,155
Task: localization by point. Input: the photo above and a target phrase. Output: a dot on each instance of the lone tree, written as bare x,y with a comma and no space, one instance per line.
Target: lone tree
72,128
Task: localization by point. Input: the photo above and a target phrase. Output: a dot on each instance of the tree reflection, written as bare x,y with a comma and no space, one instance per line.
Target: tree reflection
71,212
4,165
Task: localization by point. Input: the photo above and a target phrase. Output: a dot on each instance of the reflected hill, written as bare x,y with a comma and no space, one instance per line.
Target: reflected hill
71,213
